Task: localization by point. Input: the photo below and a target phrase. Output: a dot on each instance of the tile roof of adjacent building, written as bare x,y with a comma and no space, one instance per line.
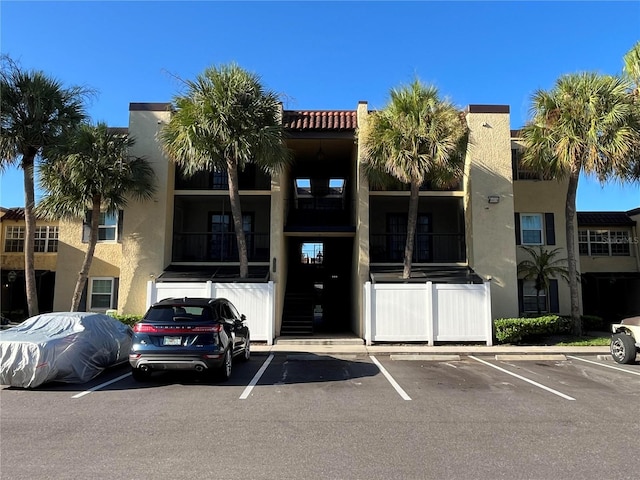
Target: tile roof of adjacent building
13,214
320,119
604,219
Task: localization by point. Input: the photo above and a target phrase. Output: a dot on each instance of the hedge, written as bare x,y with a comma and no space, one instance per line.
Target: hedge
515,330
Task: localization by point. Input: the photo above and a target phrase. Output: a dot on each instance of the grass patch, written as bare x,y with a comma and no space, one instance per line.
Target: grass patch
586,341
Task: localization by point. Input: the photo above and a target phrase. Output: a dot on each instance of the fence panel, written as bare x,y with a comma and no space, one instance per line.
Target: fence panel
254,300
427,312
399,313
461,313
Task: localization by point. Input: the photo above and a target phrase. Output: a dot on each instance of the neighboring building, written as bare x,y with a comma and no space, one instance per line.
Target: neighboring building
319,232
610,263
12,232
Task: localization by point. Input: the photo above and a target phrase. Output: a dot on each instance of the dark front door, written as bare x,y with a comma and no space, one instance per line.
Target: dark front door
319,283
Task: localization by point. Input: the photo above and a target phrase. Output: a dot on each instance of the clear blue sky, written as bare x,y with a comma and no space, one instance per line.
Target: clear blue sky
323,55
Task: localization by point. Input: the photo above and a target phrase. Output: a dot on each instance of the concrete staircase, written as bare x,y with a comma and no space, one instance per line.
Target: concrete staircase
297,317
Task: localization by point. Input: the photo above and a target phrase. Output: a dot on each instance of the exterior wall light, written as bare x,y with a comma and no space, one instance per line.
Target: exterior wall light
493,199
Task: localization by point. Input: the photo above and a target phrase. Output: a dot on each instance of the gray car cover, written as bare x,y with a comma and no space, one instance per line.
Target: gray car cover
71,347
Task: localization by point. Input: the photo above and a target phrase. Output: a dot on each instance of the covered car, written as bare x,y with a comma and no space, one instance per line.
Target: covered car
70,347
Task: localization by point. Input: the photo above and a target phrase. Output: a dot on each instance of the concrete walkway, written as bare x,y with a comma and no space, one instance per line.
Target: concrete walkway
356,346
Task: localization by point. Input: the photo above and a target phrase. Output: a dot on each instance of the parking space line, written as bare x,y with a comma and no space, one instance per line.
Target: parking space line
256,378
388,376
102,385
539,385
603,365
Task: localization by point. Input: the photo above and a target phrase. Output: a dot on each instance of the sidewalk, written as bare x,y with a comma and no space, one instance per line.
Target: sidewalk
355,346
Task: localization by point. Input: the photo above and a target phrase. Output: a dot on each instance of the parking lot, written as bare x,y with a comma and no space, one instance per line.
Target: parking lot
345,416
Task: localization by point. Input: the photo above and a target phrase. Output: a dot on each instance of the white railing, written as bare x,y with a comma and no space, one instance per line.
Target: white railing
427,312
254,300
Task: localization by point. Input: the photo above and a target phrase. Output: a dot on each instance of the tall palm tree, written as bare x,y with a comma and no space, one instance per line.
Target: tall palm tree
416,137
225,120
93,169
631,71
35,112
542,267
587,123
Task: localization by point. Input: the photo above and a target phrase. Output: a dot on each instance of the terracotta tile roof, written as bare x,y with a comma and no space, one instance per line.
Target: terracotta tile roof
604,219
320,120
13,214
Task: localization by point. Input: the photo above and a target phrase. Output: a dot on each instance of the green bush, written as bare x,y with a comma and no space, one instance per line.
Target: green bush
515,330
130,320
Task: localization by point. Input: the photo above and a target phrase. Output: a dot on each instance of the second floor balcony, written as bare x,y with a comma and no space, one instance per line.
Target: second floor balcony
218,247
428,248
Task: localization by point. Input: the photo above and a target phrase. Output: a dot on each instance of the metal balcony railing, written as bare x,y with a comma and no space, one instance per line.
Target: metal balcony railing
428,248
218,247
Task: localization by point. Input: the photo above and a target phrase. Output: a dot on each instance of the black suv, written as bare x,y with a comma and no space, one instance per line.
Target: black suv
199,334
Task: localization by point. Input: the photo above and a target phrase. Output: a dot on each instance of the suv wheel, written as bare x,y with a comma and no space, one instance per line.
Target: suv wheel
246,352
623,348
225,370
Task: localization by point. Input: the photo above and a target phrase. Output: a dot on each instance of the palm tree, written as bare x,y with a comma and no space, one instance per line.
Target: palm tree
417,137
631,71
587,123
542,267
93,169
35,112
224,121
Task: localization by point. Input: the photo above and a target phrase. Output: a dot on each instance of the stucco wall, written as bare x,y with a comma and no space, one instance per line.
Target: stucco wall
490,227
147,235
106,261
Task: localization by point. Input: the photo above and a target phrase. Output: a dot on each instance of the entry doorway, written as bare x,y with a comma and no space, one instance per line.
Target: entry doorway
318,296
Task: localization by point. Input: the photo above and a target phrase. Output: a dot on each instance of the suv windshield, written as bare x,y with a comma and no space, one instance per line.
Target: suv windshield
170,313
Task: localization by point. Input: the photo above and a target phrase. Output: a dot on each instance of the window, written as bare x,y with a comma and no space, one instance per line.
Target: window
109,228
529,298
101,294
531,228
604,242
220,180
46,239
223,244
397,237
14,239
312,253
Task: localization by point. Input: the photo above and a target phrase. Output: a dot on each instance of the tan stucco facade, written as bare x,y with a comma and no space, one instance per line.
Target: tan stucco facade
489,226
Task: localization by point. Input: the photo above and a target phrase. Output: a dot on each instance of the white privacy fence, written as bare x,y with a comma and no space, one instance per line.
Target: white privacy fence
255,300
427,312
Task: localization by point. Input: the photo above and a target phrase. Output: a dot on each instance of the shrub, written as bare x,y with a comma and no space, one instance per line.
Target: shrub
515,330
130,320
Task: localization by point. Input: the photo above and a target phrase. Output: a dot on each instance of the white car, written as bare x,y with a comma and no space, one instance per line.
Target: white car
625,341
70,347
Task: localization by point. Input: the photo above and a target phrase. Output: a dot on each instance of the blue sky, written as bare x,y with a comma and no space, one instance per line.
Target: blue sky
323,55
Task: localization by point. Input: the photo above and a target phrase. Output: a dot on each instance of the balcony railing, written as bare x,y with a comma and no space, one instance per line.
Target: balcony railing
218,247
428,248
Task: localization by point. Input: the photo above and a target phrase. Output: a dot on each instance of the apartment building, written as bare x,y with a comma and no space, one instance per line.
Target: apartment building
318,233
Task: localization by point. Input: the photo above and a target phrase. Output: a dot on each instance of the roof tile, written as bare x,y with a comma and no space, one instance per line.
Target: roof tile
320,120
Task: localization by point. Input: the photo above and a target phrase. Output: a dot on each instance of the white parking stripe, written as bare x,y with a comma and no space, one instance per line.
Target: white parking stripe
393,383
539,385
256,378
102,385
604,365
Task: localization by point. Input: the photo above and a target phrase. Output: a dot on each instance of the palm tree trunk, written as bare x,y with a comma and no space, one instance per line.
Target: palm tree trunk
29,234
88,256
412,220
570,213
236,211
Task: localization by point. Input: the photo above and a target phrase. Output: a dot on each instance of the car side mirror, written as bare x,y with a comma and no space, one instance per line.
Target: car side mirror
243,317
